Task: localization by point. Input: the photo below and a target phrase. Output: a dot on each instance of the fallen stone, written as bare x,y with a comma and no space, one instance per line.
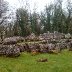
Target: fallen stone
42,60
13,51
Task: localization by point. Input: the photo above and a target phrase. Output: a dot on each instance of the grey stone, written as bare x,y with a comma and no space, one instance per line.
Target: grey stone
13,51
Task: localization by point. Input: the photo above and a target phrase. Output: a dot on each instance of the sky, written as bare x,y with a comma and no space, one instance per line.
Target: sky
39,5
32,4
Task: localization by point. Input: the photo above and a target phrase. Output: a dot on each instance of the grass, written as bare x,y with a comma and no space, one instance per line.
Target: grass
27,63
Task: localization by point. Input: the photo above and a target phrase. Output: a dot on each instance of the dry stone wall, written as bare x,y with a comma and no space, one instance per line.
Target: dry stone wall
44,43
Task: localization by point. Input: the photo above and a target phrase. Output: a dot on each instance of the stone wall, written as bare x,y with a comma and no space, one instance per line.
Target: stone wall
45,43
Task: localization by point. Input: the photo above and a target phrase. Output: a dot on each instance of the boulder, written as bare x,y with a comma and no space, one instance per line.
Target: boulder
27,47
19,39
61,46
13,51
53,49
8,41
44,48
51,46
53,41
3,49
64,40
12,40
22,47
58,47
68,36
34,47
69,46
41,37
32,37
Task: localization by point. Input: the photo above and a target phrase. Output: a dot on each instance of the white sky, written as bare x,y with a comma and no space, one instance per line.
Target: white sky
38,4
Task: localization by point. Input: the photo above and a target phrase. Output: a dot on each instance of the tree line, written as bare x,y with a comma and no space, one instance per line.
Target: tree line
53,18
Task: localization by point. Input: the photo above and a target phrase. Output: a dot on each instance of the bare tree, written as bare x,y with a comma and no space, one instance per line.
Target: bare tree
69,17
3,17
3,10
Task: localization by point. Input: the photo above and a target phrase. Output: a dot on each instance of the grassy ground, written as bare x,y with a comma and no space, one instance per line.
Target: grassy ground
27,63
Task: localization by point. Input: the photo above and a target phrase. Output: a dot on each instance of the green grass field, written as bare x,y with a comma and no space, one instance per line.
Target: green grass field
27,63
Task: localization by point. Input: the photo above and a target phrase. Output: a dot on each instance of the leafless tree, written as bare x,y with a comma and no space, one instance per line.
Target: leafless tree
3,10
3,15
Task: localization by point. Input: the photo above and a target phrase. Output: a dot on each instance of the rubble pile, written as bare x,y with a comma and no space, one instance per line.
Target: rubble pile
52,43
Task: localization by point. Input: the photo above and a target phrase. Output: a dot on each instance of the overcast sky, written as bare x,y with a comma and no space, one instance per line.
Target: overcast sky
31,4
38,4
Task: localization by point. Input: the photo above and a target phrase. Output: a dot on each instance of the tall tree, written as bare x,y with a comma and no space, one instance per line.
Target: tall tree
68,19
57,17
3,17
43,21
22,17
35,23
47,26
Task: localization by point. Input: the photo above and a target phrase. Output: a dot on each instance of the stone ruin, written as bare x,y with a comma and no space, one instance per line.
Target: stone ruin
46,43
9,48
12,40
32,37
